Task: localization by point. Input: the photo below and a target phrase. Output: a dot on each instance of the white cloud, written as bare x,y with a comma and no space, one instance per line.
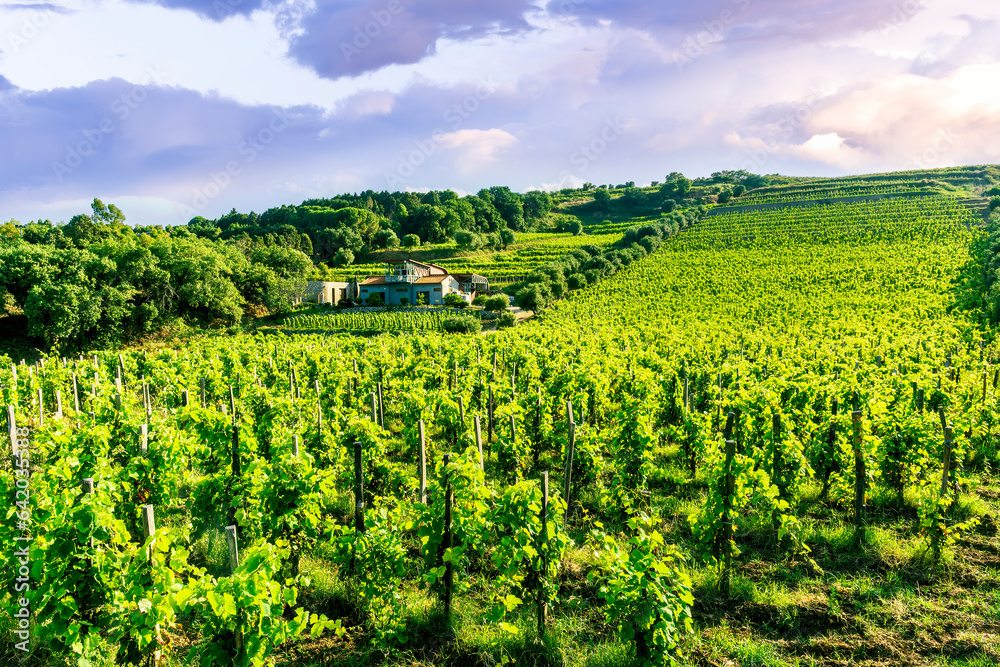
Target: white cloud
477,148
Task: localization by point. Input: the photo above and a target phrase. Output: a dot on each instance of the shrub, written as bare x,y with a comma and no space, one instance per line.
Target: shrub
479,300
403,301
496,303
576,281
411,241
466,324
344,257
455,301
375,299
506,320
534,297
386,238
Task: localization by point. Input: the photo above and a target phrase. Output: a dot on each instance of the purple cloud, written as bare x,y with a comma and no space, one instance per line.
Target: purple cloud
38,7
748,19
347,38
216,10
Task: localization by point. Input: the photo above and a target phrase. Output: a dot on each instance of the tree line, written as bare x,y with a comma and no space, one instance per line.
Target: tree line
96,282
336,230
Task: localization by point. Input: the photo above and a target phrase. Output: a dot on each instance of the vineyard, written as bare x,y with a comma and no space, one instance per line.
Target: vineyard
370,321
529,252
769,442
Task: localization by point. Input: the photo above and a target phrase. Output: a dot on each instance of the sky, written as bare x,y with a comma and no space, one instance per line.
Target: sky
176,108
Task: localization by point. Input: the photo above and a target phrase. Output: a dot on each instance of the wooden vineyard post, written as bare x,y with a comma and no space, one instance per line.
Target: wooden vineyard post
730,424
776,473
374,407
88,487
76,395
461,415
479,441
148,522
920,400
568,477
982,402
359,491
946,463
12,431
831,439
143,440
295,446
319,410
381,405
184,398
423,462
543,538
489,420
234,553
727,520
41,408
149,531
201,392
859,477
234,563
449,572
59,410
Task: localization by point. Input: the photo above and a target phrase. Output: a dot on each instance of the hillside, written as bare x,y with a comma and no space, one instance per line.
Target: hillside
768,436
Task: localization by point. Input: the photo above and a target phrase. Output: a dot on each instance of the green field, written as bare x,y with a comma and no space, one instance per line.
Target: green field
818,527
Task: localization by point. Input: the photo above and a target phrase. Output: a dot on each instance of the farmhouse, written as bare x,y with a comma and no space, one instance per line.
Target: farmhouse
327,292
421,283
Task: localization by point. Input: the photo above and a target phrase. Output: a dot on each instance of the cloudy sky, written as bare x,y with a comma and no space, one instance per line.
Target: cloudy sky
177,108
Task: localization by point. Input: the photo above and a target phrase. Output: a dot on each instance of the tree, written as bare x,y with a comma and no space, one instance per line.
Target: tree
61,312
343,257
496,303
427,221
508,204
386,238
469,240
602,198
534,297
200,286
574,227
411,241
305,245
537,204
108,215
